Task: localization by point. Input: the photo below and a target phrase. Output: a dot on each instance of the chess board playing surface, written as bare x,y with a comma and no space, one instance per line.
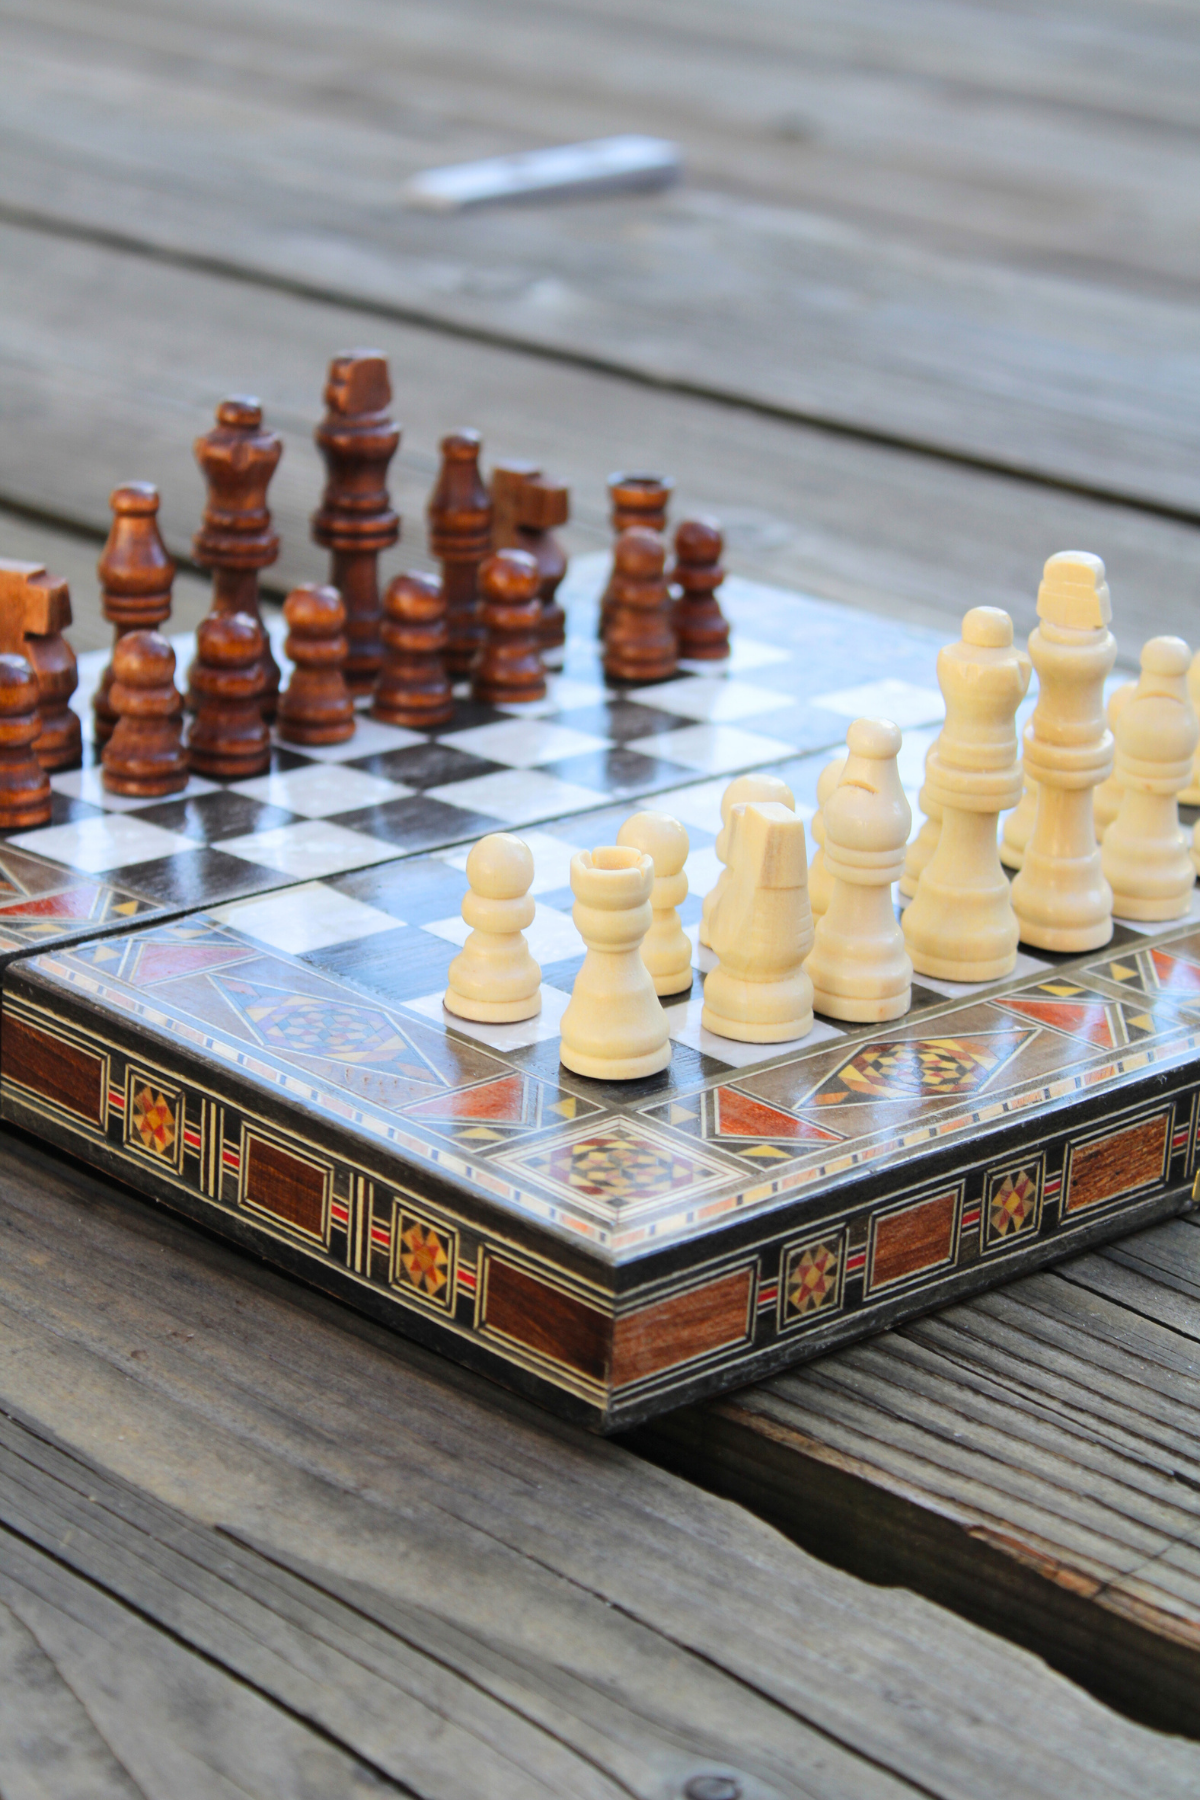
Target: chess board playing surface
272,1057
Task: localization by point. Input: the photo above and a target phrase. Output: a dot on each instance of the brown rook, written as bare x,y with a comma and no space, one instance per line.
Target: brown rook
317,708
35,609
508,478
508,666
639,644
701,626
228,737
145,753
541,506
635,499
238,458
25,797
460,536
413,688
136,574
355,520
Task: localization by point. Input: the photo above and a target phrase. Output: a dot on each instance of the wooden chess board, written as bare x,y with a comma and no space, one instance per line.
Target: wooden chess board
232,999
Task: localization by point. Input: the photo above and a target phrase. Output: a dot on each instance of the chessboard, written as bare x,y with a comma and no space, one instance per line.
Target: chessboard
232,999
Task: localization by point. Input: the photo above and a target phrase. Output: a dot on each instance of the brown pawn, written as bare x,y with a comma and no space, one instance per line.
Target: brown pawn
317,708
227,737
635,499
136,575
460,536
640,644
508,478
355,521
25,796
508,667
238,458
145,754
700,625
541,506
35,609
413,688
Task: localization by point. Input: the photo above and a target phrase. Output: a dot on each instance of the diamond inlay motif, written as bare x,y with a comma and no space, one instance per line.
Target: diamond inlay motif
812,1278
153,1121
1012,1204
424,1259
919,1069
618,1166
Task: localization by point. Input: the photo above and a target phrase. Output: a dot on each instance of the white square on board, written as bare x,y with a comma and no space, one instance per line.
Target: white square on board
717,697
318,791
516,796
500,1037
309,850
88,785
307,917
902,702
523,743
713,749
115,841
371,738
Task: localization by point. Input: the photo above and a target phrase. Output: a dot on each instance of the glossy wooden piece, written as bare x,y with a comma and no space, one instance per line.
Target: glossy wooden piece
136,573
460,536
507,480
508,665
25,796
542,506
316,708
701,626
228,737
236,539
639,642
413,688
357,439
145,753
35,609
635,499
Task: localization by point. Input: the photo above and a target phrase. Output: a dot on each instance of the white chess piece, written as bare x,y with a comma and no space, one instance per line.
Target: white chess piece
744,787
859,967
1191,793
960,926
1061,898
494,978
1018,827
820,883
614,1028
925,843
1145,854
762,931
666,948
1106,802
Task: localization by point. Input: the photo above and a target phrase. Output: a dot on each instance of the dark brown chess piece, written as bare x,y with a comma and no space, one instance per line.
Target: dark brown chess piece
508,666
460,536
541,506
700,625
508,478
238,458
136,574
635,499
35,609
145,753
228,737
639,644
355,520
317,708
25,797
413,688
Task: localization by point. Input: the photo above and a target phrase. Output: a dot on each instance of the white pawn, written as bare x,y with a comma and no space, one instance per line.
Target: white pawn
1106,801
493,977
1018,827
762,931
614,1028
1145,854
666,949
859,967
1060,896
925,843
745,787
960,926
820,883
1191,793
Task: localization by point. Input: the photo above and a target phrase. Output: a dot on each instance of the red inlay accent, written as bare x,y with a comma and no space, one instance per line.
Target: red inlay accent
1088,1020
75,903
503,1099
116,1099
467,1280
856,1260
737,1115
768,1294
156,962
231,1158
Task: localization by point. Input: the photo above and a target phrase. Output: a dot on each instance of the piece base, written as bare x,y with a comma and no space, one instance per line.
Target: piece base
862,1012
786,1032
620,1068
677,983
149,788
1073,939
1125,906
493,1012
945,969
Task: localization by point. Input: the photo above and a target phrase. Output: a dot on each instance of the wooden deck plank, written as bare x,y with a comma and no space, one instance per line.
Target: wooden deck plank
109,366
1028,1457
237,147
376,1504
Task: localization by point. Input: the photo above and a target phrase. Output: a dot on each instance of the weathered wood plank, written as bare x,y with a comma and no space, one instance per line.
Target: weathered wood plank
210,138
109,366
383,1506
1028,1458
48,1744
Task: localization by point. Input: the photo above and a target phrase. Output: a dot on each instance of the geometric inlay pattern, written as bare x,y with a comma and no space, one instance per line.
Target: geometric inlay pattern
1155,972
1013,1203
919,1068
424,1258
1079,1013
617,1166
153,1122
812,1278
